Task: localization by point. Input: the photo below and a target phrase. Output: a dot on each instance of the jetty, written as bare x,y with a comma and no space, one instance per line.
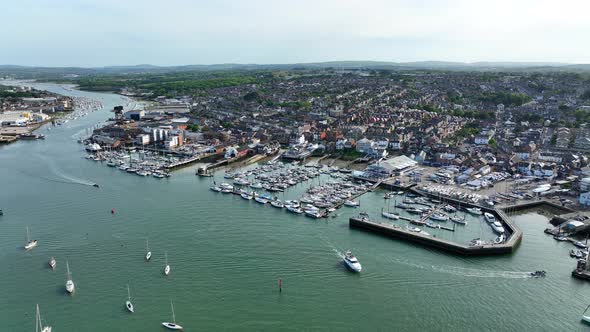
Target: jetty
412,235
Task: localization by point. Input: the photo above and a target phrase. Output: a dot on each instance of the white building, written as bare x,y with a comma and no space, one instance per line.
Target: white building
584,198
364,145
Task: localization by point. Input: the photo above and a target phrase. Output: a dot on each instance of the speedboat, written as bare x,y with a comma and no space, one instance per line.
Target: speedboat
489,217
580,244
572,253
474,211
560,238
246,196
497,227
52,263
215,188
439,217
352,262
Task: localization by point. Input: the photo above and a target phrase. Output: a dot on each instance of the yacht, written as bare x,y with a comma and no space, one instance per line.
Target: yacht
277,203
128,303
497,227
261,200
166,267
38,324
294,209
489,217
460,221
173,325
313,213
402,205
69,282
351,203
351,262
415,211
52,263
474,211
246,196
30,243
215,188
389,215
439,217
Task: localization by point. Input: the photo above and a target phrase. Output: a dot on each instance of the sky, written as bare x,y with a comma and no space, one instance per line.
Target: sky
91,33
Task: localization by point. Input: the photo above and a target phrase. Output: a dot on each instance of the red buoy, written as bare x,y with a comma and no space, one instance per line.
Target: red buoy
112,211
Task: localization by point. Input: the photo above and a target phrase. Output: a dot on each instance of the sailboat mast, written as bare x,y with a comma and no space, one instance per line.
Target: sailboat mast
28,235
173,315
37,319
128,293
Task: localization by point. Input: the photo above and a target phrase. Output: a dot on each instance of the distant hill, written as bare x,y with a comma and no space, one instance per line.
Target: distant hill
52,72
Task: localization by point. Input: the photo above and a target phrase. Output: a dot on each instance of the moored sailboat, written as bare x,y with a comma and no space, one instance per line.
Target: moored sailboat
30,243
70,288
38,324
128,303
173,325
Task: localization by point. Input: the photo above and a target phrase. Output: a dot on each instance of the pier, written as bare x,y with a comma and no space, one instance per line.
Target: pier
407,234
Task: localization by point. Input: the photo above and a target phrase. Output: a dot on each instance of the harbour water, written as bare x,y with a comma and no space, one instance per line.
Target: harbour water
227,255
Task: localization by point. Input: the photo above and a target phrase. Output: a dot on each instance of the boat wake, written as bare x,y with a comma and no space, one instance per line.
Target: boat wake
61,177
467,272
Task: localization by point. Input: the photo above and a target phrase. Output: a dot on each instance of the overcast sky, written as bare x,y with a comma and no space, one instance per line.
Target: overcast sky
177,32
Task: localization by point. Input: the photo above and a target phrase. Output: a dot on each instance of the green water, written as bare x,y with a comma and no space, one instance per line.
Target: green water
227,254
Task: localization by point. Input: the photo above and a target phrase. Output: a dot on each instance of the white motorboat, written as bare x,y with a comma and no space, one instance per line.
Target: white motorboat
256,185
38,324
148,253
458,220
173,325
351,203
215,188
352,262
246,196
439,217
30,243
497,227
489,217
294,209
501,238
313,213
70,288
474,211
261,200
52,263
277,203
585,317
389,215
166,266
128,303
